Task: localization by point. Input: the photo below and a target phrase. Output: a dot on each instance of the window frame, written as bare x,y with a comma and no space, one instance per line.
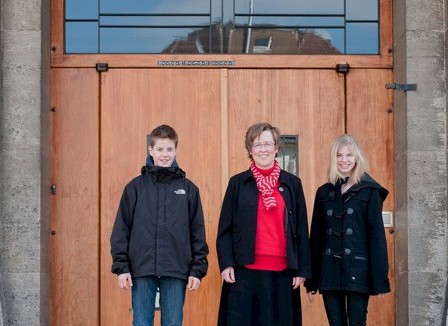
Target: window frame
382,60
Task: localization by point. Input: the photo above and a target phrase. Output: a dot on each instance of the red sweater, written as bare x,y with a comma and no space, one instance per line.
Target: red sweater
270,238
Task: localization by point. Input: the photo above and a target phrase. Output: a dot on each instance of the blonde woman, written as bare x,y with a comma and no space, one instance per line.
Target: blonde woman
348,243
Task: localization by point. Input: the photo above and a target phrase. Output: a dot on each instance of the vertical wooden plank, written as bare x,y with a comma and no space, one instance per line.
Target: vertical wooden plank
134,102
249,102
310,104
224,130
74,248
307,103
57,27
386,35
370,120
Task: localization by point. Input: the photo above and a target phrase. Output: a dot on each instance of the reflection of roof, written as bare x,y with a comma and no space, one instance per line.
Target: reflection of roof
197,42
273,41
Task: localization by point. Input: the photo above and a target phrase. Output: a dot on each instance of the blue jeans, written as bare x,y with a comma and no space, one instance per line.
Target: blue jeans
172,297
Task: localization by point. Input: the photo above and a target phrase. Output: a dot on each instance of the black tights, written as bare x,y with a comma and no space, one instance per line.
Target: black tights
342,306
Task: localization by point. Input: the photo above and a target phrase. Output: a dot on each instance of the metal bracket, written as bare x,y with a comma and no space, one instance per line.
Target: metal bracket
342,68
53,189
402,87
102,67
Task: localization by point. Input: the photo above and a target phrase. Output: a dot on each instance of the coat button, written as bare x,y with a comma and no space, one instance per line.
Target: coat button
331,194
349,211
353,278
330,212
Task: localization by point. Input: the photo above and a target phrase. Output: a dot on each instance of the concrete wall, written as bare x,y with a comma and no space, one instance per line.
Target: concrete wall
20,162
421,161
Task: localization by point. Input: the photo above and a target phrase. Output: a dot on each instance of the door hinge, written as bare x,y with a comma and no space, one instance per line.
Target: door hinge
102,66
402,87
342,68
53,189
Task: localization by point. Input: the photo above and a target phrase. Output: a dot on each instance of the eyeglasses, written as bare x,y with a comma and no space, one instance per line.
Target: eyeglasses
258,146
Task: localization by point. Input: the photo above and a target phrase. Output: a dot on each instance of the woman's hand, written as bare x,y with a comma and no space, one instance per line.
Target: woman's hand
125,281
193,283
228,275
382,295
296,281
311,296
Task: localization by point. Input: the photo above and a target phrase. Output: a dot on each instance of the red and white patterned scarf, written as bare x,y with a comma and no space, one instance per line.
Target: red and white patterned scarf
266,184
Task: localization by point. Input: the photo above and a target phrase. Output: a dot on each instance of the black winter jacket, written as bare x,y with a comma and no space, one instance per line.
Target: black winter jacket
348,243
238,223
159,228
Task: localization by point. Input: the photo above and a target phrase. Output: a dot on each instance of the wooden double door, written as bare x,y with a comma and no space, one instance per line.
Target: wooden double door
99,124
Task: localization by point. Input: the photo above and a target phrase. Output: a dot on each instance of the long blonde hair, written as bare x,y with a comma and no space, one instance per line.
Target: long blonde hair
361,164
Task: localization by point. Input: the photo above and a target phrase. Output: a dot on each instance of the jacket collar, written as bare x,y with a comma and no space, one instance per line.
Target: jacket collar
366,182
248,176
162,173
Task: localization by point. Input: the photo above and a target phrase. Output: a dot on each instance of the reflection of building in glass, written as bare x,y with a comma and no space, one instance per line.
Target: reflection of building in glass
204,40
281,41
262,40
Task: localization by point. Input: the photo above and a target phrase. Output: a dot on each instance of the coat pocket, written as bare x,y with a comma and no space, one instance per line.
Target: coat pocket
359,269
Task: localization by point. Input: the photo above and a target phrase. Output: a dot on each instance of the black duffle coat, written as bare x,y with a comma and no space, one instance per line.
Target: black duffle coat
348,243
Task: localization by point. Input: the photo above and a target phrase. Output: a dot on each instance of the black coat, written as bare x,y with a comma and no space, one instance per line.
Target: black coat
238,223
159,228
348,243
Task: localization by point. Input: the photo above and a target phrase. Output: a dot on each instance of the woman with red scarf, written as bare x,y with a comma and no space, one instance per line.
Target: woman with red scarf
262,243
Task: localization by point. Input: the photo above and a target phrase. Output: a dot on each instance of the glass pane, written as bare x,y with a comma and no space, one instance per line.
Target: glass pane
289,7
288,157
362,38
154,40
303,22
81,37
155,21
286,41
362,9
155,6
81,9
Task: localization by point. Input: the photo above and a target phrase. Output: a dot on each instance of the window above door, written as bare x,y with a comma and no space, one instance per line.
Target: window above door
334,27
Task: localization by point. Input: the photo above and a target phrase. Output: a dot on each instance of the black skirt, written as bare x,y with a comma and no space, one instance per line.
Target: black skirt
260,298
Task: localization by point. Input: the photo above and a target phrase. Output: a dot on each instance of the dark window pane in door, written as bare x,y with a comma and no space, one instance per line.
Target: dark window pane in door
288,157
81,9
81,37
155,40
362,38
155,6
289,7
362,9
286,41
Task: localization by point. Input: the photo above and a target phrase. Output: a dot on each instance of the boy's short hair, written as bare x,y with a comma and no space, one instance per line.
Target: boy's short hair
162,132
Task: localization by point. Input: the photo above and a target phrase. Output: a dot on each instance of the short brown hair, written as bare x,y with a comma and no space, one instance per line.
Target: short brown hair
162,132
255,131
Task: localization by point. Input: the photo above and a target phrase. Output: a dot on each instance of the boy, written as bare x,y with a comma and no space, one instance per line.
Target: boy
158,239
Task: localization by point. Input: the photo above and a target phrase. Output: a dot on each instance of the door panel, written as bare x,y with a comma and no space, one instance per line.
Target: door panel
133,103
370,120
307,103
99,132
74,243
